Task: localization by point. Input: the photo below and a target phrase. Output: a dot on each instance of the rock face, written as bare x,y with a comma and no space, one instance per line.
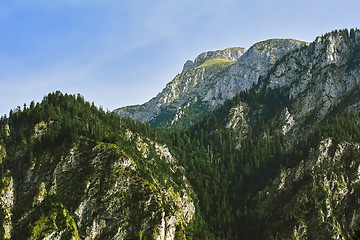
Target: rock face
231,54
6,199
94,191
317,198
314,79
280,160
310,83
208,82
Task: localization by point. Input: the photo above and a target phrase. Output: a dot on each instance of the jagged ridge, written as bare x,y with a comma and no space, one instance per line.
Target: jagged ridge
201,87
76,172
277,161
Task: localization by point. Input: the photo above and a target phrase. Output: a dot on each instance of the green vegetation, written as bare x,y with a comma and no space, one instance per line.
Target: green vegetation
49,217
275,44
226,179
217,63
46,135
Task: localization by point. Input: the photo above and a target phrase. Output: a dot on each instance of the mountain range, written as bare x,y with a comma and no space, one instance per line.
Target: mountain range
208,82
261,143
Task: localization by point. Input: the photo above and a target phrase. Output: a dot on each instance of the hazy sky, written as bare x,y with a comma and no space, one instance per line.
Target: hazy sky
123,52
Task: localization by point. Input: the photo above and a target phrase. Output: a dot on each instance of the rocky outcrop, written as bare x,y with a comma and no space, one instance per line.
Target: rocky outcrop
94,191
316,78
304,90
231,54
288,168
6,199
316,199
238,123
208,82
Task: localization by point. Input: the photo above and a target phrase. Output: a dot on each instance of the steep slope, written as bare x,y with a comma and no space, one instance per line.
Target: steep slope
317,199
316,90
208,82
316,80
230,54
75,172
280,161
277,161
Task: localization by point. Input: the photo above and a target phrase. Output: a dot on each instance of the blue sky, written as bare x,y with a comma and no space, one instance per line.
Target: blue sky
119,53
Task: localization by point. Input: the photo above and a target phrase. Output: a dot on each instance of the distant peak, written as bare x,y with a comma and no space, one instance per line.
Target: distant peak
231,54
276,43
352,34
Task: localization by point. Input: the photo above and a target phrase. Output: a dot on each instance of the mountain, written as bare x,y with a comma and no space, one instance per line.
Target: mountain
317,199
317,92
280,161
317,81
208,82
276,159
72,171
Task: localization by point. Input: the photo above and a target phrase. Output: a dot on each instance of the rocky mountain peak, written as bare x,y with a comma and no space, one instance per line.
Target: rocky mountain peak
230,54
273,49
277,161
335,48
209,81
314,79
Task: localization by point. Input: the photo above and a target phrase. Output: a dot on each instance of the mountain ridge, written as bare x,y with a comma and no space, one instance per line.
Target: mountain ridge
279,160
231,54
71,171
197,91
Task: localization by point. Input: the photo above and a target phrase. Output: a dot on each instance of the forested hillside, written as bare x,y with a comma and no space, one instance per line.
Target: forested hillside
294,136
229,179
206,83
279,160
72,171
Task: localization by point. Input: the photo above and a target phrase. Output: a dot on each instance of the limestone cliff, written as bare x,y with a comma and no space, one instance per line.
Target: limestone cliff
317,199
230,54
277,161
55,186
316,80
93,192
208,82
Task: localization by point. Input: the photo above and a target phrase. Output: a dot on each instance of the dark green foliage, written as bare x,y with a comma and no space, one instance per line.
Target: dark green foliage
356,235
47,217
2,230
225,178
354,59
66,118
46,131
191,114
60,120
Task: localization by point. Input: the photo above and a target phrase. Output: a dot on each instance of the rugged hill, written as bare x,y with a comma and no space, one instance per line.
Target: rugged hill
208,82
280,161
71,171
317,199
277,161
317,91
317,81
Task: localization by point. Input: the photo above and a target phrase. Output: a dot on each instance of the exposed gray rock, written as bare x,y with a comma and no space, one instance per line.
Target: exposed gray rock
316,78
315,198
208,82
231,54
94,191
